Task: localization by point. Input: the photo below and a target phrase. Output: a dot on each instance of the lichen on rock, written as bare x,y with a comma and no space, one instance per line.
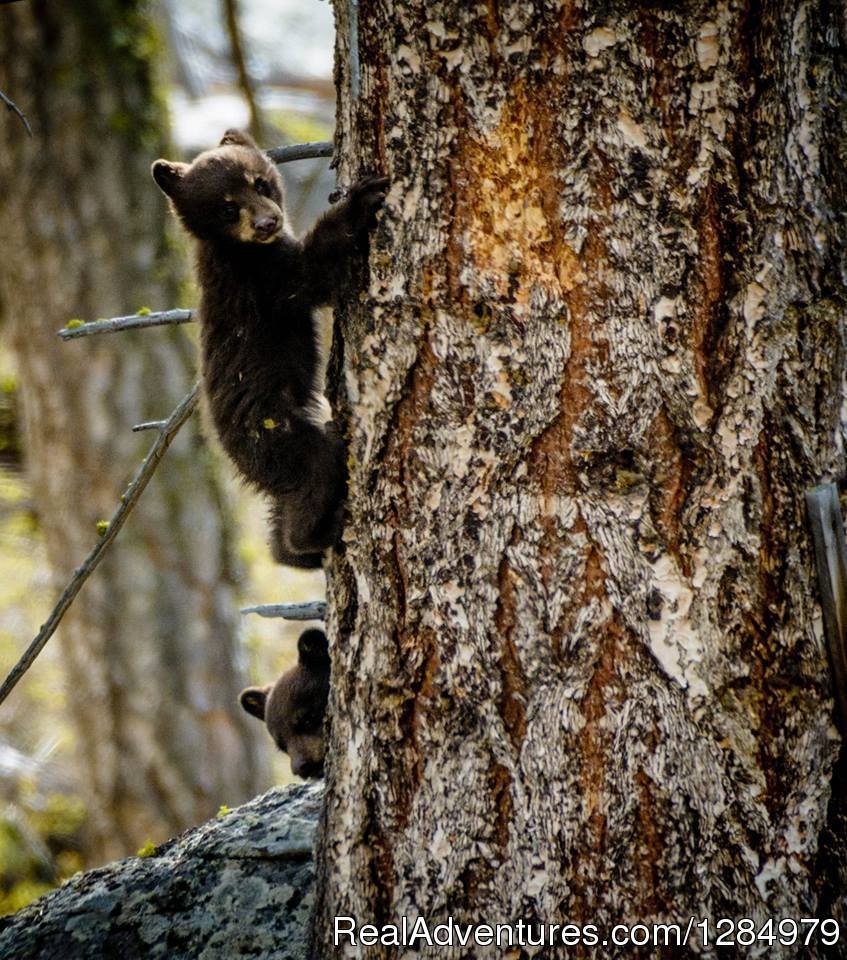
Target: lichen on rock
239,885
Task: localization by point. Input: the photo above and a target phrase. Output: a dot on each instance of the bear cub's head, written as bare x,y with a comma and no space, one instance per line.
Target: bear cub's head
231,193
293,708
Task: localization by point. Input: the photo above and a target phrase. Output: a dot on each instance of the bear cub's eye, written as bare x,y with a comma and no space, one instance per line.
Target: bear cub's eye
263,188
307,721
229,212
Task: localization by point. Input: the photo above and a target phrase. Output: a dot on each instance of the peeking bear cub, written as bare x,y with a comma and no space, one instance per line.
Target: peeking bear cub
262,369
293,708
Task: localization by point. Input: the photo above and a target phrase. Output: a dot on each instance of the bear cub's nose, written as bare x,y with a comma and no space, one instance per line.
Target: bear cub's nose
264,227
308,769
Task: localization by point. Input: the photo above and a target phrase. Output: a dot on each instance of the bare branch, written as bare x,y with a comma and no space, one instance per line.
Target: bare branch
16,109
315,610
82,573
827,527
133,322
239,60
301,151
149,425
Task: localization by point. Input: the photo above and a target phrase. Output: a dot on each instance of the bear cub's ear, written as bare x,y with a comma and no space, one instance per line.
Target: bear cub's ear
254,699
239,138
313,650
168,175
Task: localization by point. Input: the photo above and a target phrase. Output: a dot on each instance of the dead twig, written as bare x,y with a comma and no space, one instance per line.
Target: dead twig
133,322
109,532
149,425
16,109
238,56
314,610
827,529
301,151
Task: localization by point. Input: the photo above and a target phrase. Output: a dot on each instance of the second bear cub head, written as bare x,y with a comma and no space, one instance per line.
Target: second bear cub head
232,193
293,708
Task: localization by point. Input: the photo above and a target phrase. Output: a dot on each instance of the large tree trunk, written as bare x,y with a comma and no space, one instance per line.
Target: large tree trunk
149,646
578,665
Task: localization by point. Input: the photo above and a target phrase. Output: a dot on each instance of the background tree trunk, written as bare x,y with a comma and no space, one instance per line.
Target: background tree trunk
149,647
579,671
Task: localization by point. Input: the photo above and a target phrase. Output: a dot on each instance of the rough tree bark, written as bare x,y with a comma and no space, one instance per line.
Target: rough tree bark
149,647
578,665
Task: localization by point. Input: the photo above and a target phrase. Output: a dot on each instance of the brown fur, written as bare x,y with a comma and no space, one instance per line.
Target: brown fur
293,708
261,363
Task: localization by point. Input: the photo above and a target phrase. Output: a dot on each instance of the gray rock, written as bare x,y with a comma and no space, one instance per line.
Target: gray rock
238,886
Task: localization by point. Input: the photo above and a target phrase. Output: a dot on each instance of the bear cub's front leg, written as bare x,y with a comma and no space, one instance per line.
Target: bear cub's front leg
341,230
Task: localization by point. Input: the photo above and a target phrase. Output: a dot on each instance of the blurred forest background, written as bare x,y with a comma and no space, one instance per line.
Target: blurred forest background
127,728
